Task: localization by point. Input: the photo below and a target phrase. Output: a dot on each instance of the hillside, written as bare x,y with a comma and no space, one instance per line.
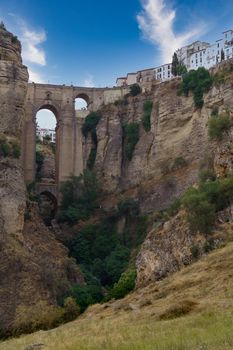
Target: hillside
192,309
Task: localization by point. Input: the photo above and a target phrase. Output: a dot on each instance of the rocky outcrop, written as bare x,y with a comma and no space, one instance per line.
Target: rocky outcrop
178,131
33,265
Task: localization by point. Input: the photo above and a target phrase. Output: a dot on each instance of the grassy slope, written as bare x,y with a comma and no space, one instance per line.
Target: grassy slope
202,291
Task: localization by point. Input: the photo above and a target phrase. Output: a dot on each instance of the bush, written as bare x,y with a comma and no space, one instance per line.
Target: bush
128,206
9,148
131,138
90,123
207,175
16,151
71,310
147,107
201,213
86,295
135,90
174,207
179,163
125,285
91,158
195,251
39,164
80,197
217,125
202,203
198,81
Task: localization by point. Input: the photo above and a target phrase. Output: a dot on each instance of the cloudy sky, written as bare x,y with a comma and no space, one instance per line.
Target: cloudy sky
91,43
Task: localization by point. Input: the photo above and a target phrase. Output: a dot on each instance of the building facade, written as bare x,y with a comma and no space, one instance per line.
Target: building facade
41,133
198,54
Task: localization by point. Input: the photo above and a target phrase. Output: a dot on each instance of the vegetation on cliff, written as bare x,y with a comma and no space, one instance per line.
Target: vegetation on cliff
89,127
131,137
197,81
147,108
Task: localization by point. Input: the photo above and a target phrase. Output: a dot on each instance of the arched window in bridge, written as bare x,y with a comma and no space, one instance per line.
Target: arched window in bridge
46,137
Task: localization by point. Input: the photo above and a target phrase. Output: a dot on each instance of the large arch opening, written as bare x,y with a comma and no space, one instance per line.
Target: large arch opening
46,144
47,207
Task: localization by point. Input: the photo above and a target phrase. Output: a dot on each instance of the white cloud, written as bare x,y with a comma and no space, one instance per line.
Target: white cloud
156,22
35,77
30,40
89,81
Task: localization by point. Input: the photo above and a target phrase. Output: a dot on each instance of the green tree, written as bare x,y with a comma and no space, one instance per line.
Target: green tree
175,64
222,55
135,90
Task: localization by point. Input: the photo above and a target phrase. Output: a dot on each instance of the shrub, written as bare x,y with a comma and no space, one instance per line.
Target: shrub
135,90
174,207
131,137
179,163
147,107
201,213
202,203
195,251
128,206
217,125
71,310
125,285
214,111
86,295
91,159
80,197
14,39
207,175
39,164
198,81
15,150
90,123
209,245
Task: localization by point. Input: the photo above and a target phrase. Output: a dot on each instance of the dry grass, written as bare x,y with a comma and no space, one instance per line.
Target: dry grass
196,302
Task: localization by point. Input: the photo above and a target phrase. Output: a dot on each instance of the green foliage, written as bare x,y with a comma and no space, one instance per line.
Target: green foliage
128,206
91,159
135,90
70,310
147,107
116,263
207,175
174,207
198,81
217,125
125,285
201,213
181,69
202,203
175,63
80,197
14,39
195,251
214,112
39,164
90,123
179,163
2,26
16,151
86,295
47,138
131,137
9,148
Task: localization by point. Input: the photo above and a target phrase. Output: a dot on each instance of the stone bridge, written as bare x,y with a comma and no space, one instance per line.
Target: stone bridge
60,99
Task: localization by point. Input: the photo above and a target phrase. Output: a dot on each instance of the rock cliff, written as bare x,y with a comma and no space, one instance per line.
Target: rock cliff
33,265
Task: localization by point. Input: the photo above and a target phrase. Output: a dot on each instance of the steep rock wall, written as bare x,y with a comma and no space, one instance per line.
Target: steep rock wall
33,265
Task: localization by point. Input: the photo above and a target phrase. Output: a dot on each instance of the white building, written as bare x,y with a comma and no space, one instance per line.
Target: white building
41,133
163,72
198,54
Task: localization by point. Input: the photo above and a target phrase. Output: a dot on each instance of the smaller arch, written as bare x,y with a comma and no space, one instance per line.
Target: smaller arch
82,102
48,206
50,107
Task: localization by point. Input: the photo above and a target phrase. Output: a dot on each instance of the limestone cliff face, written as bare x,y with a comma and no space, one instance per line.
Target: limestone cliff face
178,130
33,265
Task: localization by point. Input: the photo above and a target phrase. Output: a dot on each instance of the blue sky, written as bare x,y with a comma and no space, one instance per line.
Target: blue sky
91,43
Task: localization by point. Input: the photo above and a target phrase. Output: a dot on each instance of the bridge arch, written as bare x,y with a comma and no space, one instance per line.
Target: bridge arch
48,206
